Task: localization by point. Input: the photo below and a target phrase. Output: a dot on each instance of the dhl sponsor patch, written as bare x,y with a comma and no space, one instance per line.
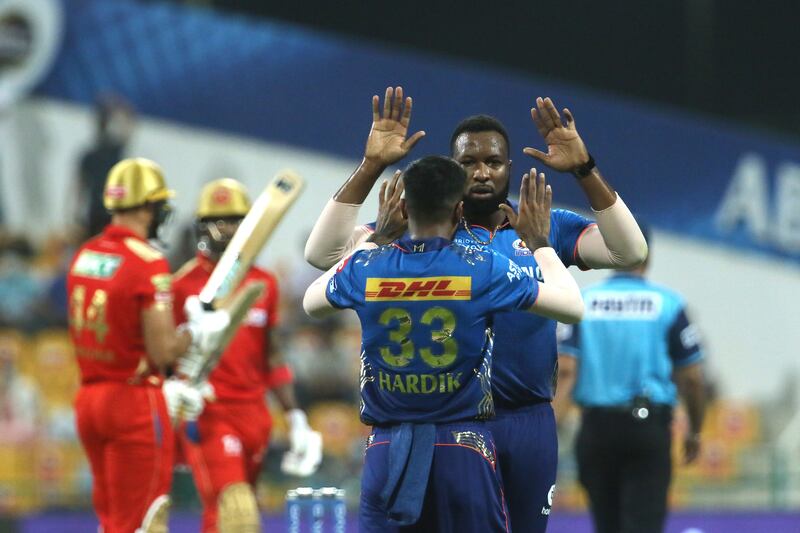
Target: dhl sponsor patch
416,289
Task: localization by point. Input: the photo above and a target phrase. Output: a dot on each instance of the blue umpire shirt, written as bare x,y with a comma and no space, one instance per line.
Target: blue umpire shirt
426,310
633,333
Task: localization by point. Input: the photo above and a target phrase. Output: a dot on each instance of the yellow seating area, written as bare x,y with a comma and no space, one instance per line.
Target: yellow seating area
49,468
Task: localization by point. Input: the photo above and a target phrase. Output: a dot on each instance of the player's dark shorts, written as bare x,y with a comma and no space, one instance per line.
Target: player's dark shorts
464,491
527,453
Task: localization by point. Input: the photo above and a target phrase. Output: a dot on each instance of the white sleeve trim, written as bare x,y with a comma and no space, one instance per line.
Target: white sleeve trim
315,300
559,295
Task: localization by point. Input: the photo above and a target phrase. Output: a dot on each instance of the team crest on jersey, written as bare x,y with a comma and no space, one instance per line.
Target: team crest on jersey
520,248
415,289
96,265
232,445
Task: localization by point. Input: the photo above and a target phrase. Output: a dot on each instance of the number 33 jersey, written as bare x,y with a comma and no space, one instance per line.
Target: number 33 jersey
112,279
426,309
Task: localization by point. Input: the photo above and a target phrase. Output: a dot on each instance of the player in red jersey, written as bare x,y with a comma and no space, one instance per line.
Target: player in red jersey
121,324
227,448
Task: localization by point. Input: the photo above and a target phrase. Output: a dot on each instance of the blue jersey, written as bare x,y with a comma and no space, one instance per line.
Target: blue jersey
633,334
426,308
525,345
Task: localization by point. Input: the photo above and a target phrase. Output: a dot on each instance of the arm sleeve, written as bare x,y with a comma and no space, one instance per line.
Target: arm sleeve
559,295
567,230
683,341
335,234
616,241
510,287
154,284
179,298
278,376
569,338
338,288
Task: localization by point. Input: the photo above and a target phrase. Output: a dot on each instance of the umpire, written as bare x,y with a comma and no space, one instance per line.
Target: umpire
622,364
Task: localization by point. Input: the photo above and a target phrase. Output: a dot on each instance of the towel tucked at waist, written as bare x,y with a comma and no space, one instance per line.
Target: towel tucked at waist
410,458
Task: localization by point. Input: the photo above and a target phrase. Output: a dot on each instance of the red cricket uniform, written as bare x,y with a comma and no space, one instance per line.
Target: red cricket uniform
233,429
120,411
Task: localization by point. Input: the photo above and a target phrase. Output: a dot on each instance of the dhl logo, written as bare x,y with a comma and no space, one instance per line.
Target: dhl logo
437,288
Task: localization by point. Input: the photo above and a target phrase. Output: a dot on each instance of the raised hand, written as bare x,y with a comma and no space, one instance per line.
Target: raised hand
391,224
565,148
532,221
387,142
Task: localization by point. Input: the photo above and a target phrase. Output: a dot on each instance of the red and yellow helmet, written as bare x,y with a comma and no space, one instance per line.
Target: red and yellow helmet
135,182
223,198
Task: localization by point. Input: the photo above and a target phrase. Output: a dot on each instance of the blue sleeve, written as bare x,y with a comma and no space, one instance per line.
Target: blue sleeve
344,290
510,287
569,339
565,229
683,341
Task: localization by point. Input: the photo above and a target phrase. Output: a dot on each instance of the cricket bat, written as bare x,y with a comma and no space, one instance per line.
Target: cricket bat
238,307
250,237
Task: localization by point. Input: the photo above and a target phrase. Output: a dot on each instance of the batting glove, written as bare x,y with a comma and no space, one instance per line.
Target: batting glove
305,446
206,327
184,402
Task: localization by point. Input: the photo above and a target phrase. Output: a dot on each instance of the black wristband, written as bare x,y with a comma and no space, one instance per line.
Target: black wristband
581,171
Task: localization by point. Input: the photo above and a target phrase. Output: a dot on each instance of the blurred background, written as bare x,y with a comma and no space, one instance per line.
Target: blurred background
687,106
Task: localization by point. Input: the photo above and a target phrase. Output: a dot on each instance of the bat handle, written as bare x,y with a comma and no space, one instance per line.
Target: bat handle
178,418
207,306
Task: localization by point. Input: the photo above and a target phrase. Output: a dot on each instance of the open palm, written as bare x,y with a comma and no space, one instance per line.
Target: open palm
565,148
387,142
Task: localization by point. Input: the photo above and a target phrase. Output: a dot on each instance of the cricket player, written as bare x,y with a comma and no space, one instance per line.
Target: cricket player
525,345
121,323
426,306
227,451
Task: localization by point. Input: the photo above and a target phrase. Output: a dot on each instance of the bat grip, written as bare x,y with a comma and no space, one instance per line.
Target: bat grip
207,306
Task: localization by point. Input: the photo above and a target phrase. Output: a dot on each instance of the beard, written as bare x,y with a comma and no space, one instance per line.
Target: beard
211,247
481,207
162,212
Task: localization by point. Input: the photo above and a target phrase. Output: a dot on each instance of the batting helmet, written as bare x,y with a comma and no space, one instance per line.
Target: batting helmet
223,198
133,183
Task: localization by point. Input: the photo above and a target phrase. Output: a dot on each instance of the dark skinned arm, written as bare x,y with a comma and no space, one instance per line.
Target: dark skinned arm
617,240
691,387
387,144
567,375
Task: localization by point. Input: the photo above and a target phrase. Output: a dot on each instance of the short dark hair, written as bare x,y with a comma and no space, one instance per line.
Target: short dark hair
477,124
433,187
